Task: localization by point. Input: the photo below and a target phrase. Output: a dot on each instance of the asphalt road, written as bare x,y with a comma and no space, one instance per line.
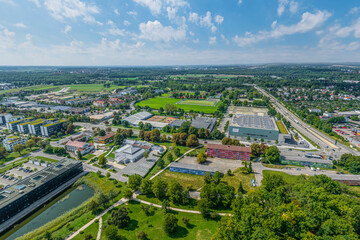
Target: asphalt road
327,144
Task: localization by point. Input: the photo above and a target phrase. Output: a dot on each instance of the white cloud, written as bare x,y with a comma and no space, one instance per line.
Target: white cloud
354,10
212,40
192,33
155,31
171,12
283,4
294,6
7,38
240,2
219,19
20,25
309,22
36,2
116,11
227,42
126,23
11,2
194,17
332,38
153,5
67,29
133,13
205,21
72,9
114,30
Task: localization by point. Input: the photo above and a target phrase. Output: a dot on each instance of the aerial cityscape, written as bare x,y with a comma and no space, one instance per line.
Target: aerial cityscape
179,119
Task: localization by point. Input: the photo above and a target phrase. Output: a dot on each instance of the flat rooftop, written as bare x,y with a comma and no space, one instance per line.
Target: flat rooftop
254,121
27,184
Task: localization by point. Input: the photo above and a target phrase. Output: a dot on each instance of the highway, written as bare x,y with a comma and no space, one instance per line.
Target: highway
327,144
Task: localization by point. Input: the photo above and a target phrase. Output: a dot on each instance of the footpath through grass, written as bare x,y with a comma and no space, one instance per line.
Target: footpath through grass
152,225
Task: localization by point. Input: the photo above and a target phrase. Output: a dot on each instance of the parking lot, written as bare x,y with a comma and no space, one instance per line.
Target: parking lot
222,165
13,175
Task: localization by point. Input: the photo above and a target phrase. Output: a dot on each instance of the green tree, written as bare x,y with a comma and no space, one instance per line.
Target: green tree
241,189
120,218
146,187
18,148
141,235
273,154
159,188
170,223
161,163
175,192
128,193
204,208
201,158
102,160
170,157
30,144
177,152
192,141
111,232
134,181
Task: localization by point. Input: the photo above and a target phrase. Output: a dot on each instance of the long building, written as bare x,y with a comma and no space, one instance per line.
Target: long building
228,152
253,126
26,195
4,118
51,128
10,141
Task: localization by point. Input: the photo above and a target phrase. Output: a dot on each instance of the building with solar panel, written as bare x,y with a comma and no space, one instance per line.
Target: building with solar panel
253,126
28,194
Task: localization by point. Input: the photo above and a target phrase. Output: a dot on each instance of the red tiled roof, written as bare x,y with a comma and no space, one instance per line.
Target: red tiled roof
76,144
229,147
109,135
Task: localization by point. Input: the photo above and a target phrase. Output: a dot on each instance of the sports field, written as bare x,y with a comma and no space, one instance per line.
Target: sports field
93,87
198,102
157,102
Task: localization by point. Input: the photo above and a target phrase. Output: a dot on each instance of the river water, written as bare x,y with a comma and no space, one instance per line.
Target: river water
71,200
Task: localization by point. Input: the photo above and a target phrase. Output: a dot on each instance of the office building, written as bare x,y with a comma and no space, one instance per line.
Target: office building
28,194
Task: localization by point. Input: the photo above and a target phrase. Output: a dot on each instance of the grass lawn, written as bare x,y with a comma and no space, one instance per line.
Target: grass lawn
33,88
281,127
93,87
92,230
14,164
198,102
156,168
355,189
152,225
237,177
191,181
158,102
287,177
88,156
46,159
15,155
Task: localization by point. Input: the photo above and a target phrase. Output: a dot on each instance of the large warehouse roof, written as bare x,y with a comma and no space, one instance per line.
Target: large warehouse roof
253,121
228,147
138,116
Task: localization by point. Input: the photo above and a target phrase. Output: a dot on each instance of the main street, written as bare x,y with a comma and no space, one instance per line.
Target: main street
327,144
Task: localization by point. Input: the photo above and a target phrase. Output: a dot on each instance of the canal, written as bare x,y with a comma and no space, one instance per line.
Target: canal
72,198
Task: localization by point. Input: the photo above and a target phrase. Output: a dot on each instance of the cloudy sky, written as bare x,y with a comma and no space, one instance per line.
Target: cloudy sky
178,32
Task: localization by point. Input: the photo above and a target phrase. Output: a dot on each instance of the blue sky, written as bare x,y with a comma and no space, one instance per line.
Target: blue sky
178,32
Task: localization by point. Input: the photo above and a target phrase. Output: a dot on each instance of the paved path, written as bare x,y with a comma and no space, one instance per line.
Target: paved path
100,228
118,203
158,173
172,208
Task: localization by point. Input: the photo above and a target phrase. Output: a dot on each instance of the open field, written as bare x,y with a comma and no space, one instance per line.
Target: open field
190,181
287,177
158,102
93,87
198,102
152,225
237,177
32,88
91,230
281,127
